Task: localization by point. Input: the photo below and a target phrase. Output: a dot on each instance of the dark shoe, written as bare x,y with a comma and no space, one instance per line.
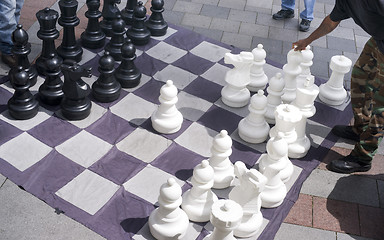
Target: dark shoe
10,60
345,132
304,25
283,14
348,164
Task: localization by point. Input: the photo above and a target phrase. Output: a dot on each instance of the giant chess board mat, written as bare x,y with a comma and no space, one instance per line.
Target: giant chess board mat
106,171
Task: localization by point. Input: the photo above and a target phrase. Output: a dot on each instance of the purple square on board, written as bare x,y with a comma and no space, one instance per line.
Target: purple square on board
185,39
148,126
204,89
149,65
150,91
193,64
335,115
219,119
244,153
7,132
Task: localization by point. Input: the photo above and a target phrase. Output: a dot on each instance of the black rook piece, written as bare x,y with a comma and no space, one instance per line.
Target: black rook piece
21,48
50,91
106,88
127,74
110,12
156,23
69,48
48,33
76,104
127,12
117,40
93,37
22,105
139,33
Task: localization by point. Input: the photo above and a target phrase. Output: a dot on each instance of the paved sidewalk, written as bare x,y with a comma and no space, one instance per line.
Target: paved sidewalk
330,205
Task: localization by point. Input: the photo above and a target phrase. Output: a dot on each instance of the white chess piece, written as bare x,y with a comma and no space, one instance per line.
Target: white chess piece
254,128
258,78
332,92
247,194
167,119
305,98
220,151
226,216
291,70
169,221
306,63
235,93
198,200
275,91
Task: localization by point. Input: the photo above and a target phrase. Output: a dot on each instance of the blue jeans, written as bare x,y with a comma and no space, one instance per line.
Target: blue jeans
9,18
308,11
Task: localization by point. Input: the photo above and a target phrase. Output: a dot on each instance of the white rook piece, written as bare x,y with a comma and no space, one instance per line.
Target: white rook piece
169,221
275,91
332,92
258,78
286,117
291,70
235,93
306,63
254,128
167,119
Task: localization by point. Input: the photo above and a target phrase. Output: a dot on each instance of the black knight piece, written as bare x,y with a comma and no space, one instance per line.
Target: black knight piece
76,104
93,37
110,12
156,23
138,32
127,12
50,91
127,74
69,48
117,40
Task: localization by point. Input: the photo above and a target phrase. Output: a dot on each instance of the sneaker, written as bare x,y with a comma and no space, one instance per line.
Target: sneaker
304,25
345,132
10,60
283,14
348,164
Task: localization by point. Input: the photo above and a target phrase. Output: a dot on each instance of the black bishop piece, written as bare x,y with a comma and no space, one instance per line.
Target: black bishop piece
93,37
51,91
156,23
138,32
117,40
110,12
127,74
127,12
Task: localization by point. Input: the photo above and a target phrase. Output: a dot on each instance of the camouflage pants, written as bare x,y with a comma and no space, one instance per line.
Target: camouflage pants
367,98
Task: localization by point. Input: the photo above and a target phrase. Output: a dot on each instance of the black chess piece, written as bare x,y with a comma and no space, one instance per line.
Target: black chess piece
117,40
75,104
127,12
69,48
106,88
156,23
22,105
110,12
127,74
51,91
48,33
138,32
93,37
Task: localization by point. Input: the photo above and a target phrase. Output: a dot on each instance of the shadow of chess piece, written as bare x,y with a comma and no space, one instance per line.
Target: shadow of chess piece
106,88
51,91
109,13
127,12
93,37
156,23
22,105
117,40
76,104
127,74
138,32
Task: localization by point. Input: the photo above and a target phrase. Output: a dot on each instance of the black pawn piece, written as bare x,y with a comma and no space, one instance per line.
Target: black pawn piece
127,12
69,48
93,37
139,33
22,105
117,40
156,23
110,12
76,104
106,88
51,91
127,74
48,33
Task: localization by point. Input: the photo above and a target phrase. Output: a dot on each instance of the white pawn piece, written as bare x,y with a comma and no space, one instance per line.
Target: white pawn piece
169,221
254,128
291,70
235,93
167,119
286,117
258,78
198,200
306,63
275,91
305,98
332,92
226,216
247,194
220,151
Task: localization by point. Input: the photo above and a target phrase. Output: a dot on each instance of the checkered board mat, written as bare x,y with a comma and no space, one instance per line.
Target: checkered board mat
106,171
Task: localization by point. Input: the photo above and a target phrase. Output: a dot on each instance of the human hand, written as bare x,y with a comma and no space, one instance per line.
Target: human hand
300,45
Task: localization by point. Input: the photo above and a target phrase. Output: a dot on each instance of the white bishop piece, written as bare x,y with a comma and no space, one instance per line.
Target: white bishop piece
306,63
198,200
247,194
291,70
275,91
258,78
235,93
167,119
169,221
254,128
332,92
